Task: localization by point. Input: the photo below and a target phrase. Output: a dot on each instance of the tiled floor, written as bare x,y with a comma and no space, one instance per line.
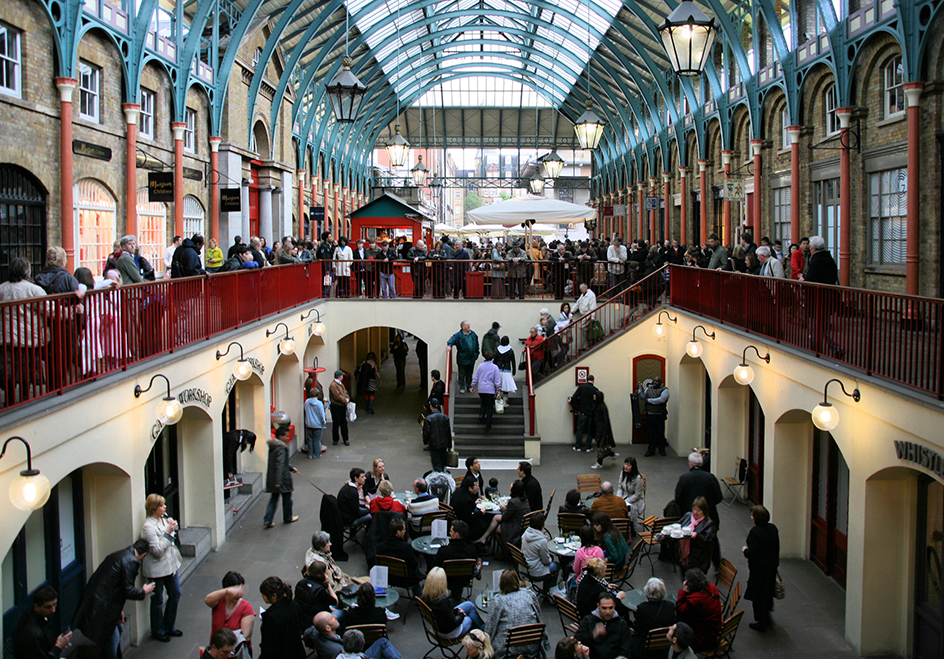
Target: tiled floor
809,622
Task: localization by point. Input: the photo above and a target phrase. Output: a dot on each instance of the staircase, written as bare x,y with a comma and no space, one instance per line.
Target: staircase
506,438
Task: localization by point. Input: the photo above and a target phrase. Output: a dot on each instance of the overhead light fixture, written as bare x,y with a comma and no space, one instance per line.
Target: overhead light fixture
398,149
346,93
553,165
825,416
694,348
287,344
537,184
318,328
435,182
169,410
687,36
419,172
589,126
30,490
743,373
242,369
659,329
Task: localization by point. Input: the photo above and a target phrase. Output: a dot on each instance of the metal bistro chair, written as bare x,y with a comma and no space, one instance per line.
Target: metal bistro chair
398,576
651,537
435,638
570,522
731,605
589,483
725,577
569,618
625,527
459,575
726,638
547,511
522,636
735,484
657,641
521,567
371,632
426,523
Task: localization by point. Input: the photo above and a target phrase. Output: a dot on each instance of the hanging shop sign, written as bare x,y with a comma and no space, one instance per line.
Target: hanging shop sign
193,174
160,186
652,203
734,189
317,214
230,200
90,150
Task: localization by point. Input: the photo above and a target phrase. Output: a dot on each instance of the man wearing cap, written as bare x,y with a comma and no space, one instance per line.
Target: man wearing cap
517,260
339,398
386,257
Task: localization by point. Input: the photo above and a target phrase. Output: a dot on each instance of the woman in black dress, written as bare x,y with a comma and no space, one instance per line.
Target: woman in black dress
281,623
762,552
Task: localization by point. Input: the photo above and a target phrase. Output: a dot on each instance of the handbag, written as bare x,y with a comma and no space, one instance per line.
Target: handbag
351,411
452,458
499,405
779,590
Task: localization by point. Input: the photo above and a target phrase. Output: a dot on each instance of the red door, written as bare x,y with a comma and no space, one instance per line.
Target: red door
830,524
254,202
646,367
755,449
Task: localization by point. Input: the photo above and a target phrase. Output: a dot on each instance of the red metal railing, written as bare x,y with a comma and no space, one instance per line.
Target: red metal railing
448,380
898,337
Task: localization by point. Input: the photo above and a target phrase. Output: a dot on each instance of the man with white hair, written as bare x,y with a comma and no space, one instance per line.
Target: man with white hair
587,301
769,266
822,267
700,483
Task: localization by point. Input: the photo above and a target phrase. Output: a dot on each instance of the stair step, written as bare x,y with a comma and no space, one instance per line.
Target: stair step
194,548
507,438
474,425
241,498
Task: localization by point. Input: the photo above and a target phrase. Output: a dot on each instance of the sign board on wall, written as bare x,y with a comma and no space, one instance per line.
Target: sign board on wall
652,203
734,189
619,210
230,200
161,186
317,215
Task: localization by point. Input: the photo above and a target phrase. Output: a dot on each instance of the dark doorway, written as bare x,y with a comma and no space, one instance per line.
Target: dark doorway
755,449
160,472
22,218
929,606
706,442
646,367
830,524
695,206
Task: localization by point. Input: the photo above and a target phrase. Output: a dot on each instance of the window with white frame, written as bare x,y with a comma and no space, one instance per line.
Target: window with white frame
784,134
189,131
256,56
888,192
894,87
89,91
146,116
832,119
781,215
10,63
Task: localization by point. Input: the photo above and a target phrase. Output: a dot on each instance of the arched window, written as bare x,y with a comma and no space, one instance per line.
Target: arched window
22,218
95,216
193,216
894,87
152,230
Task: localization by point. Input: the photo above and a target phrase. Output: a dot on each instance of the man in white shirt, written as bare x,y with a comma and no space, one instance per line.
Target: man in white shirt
169,253
616,256
587,301
423,504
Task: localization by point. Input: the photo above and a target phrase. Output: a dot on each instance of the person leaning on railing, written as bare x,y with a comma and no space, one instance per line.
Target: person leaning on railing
24,332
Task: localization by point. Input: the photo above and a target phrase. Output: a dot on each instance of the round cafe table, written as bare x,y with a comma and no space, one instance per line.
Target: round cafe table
385,602
427,545
633,598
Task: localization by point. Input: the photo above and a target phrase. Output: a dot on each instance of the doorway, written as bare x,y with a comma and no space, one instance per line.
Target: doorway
929,609
826,213
755,449
254,199
706,422
646,367
829,528
161,475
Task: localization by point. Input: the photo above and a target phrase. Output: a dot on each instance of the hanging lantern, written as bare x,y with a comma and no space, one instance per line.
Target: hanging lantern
399,149
346,93
553,165
537,184
589,128
687,36
419,172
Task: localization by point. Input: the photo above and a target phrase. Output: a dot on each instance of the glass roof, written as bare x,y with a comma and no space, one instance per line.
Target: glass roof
532,40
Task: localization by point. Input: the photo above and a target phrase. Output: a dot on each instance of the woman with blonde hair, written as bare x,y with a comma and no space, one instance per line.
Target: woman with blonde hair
377,473
478,645
452,620
160,565
512,608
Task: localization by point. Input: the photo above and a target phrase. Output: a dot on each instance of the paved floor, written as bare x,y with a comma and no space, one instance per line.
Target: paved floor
809,622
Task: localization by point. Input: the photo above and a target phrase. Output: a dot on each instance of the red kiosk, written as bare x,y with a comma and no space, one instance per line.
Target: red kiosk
389,211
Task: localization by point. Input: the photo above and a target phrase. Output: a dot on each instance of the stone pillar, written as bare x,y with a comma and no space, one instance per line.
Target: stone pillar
653,213
67,218
913,97
683,213
179,127
215,189
845,196
667,194
755,225
244,211
641,196
703,190
301,203
794,183
131,168
727,225
265,216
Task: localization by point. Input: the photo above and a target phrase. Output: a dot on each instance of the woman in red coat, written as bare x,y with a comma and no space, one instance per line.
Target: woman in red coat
699,606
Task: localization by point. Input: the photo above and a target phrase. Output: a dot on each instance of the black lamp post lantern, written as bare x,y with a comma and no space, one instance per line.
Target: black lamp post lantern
346,93
687,36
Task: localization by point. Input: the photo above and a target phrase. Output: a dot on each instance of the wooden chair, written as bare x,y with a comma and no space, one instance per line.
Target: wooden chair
371,633
625,527
570,522
726,637
398,576
521,567
526,521
350,534
731,605
629,567
547,511
459,574
589,483
450,513
736,484
569,618
651,537
522,636
725,577
657,640
435,638
426,523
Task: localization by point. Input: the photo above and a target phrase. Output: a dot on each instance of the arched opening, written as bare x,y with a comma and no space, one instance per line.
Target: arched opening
152,230
95,223
646,367
694,387
194,217
790,483
22,218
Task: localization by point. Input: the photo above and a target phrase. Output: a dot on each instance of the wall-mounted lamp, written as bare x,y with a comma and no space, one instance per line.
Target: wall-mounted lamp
825,416
743,373
694,348
287,344
30,490
659,329
242,369
318,328
169,410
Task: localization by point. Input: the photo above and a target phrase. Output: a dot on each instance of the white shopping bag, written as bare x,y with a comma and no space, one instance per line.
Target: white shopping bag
351,411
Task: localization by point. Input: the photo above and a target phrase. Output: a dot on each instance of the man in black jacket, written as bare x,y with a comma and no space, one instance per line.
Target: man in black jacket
437,391
112,584
437,434
186,261
397,546
464,503
582,402
700,483
603,631
353,511
823,302
35,637
459,548
532,488
279,478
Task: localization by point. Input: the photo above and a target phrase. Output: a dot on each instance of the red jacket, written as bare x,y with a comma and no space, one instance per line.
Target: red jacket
796,264
702,612
387,503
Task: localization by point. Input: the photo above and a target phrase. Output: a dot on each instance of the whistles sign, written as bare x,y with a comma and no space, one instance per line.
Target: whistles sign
161,186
